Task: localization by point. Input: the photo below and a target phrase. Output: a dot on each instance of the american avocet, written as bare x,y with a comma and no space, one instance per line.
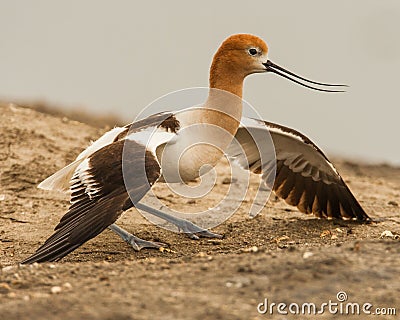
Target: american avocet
304,176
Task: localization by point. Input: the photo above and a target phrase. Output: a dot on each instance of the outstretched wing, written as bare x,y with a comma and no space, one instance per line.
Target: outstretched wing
304,176
60,181
99,189
99,196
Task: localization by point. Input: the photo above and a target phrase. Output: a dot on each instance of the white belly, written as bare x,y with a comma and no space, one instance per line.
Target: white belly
194,151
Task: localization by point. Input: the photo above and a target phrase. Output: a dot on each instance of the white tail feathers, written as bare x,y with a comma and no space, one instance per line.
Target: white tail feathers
59,181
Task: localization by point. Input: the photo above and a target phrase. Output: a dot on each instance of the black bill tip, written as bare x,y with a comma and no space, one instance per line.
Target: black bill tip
272,67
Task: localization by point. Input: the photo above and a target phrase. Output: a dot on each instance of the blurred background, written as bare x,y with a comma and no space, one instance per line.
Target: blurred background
116,57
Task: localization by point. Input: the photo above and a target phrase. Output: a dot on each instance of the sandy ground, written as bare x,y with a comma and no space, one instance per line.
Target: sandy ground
281,255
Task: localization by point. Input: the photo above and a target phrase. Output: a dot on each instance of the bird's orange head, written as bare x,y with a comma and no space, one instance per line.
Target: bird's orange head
237,57
243,54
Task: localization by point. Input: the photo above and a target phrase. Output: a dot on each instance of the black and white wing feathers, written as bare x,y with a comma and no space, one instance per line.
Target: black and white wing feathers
99,192
304,176
99,196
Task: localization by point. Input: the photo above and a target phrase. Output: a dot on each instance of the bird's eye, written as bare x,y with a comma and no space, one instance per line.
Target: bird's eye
253,51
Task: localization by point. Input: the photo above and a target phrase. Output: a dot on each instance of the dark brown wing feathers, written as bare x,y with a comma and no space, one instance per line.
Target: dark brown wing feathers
318,188
90,215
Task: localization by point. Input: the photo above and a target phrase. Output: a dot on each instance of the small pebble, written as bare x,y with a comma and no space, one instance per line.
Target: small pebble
55,289
325,233
252,249
8,268
279,239
388,234
239,282
67,286
4,288
307,254
393,203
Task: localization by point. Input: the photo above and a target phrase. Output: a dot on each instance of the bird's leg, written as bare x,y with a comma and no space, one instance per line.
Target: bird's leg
134,241
190,229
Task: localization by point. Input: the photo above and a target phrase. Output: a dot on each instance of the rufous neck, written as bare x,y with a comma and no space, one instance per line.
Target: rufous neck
225,95
223,77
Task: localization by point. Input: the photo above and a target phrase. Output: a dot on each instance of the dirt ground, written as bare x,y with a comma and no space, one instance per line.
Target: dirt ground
281,255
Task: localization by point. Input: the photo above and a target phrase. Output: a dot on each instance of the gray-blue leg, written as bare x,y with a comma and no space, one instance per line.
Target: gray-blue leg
134,241
190,229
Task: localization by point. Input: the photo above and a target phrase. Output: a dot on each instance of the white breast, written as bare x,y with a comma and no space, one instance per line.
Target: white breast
196,146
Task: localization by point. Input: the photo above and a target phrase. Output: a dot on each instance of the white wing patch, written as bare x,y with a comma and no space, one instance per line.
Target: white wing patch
297,152
290,134
59,181
152,137
103,141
